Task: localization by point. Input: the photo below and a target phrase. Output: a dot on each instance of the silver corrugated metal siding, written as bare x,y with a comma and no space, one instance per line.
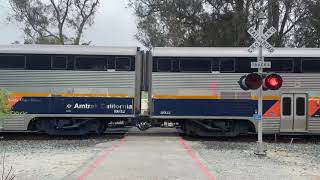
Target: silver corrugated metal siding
314,125
66,81
203,84
14,123
271,126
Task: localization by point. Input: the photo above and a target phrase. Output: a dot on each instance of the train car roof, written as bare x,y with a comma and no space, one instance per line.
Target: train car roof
67,49
231,52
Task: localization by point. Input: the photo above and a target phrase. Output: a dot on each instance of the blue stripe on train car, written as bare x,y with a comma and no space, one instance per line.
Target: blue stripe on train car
208,107
317,114
75,105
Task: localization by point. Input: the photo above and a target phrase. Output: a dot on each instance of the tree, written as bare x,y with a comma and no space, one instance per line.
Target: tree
285,16
54,21
193,22
167,23
308,32
228,21
215,22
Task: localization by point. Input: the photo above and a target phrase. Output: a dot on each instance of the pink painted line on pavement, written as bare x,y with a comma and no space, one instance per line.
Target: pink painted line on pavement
97,162
202,167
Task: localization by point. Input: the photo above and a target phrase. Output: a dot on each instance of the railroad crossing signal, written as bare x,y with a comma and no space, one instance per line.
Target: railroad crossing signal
261,39
254,81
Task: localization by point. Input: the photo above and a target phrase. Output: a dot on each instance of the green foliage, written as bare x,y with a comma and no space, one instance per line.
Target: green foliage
5,108
308,33
222,22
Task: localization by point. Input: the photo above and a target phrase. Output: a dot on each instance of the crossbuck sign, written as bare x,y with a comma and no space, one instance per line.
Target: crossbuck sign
261,39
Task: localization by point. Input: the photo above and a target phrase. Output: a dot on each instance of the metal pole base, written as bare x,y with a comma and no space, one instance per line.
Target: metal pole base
261,150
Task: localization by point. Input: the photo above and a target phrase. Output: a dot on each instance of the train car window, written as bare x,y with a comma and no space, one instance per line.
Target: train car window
164,65
59,62
39,62
280,65
195,65
301,106
243,65
227,65
175,65
286,106
91,63
215,65
111,63
123,64
310,66
70,63
297,65
12,62
154,65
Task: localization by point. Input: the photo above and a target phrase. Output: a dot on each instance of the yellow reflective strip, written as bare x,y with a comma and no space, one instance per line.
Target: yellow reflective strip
185,97
266,97
30,94
209,97
314,98
99,95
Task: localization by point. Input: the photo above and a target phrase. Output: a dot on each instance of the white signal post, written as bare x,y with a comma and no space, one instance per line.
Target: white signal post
261,42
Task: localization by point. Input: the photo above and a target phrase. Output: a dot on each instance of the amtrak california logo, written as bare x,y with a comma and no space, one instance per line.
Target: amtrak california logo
80,106
103,106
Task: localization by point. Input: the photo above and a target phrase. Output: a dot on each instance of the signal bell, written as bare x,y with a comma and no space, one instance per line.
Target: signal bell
254,81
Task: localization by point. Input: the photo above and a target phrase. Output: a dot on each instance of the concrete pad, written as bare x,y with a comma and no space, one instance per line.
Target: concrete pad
144,157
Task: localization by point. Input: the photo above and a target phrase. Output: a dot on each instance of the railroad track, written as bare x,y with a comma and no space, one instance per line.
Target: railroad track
120,132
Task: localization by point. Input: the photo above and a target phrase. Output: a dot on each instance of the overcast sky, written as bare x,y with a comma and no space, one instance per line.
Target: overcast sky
115,25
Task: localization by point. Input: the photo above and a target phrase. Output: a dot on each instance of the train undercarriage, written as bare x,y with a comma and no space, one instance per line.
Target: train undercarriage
83,126
69,126
207,128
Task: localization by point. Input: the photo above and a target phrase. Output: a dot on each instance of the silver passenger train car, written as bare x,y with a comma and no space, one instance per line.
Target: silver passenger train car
63,90
198,87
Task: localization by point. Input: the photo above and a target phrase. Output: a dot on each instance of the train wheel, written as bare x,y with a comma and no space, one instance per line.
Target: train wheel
71,126
101,128
189,129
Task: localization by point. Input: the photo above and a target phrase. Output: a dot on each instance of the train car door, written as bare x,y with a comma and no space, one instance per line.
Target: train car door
294,113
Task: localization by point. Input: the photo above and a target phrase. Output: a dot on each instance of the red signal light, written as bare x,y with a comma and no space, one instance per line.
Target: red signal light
273,82
251,81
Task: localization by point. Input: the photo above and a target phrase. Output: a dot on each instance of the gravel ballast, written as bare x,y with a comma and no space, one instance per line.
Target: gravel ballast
231,159
38,157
